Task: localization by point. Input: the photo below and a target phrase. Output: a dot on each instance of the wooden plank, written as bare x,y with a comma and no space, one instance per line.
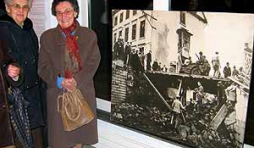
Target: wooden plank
220,116
246,88
190,76
110,143
123,141
106,128
160,96
100,145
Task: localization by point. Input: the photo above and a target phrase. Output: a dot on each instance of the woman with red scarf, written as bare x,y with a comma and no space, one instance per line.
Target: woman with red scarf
68,59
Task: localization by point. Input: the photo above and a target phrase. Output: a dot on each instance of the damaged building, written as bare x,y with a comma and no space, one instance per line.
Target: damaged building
212,109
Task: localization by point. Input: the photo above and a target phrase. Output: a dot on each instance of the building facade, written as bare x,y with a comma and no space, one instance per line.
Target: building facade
164,33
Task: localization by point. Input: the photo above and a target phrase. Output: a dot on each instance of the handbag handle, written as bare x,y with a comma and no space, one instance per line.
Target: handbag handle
67,97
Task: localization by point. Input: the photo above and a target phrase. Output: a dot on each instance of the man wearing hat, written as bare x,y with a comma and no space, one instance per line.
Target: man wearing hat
127,53
148,60
227,70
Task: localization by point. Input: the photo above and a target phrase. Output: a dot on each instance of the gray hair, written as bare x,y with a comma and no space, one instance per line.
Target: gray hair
8,2
74,4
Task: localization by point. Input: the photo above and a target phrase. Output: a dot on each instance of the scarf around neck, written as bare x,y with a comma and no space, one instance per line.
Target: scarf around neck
72,56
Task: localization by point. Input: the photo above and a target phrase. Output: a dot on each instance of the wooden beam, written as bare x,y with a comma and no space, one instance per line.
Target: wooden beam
160,96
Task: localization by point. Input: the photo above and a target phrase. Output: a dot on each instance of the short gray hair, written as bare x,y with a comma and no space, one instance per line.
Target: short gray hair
74,4
8,2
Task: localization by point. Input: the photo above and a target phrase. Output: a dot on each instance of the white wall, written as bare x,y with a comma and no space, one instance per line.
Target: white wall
161,4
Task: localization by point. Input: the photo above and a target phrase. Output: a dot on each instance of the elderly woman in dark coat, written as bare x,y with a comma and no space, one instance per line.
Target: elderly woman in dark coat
69,42
15,127
22,44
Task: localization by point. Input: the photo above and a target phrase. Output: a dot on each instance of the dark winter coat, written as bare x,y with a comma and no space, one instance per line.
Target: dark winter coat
51,64
2,8
1,12
22,46
227,71
6,134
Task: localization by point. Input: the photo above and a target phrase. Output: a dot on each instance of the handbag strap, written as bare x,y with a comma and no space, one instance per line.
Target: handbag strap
58,106
68,97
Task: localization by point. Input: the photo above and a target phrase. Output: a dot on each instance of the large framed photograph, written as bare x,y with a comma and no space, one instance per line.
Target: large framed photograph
183,76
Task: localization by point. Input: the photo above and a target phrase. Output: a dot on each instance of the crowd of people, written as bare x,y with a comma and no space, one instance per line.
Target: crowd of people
227,70
136,58
139,61
129,56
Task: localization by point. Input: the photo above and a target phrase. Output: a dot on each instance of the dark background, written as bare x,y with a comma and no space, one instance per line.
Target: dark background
1,3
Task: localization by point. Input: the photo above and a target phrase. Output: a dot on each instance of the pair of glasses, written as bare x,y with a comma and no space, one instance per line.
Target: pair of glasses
19,7
66,12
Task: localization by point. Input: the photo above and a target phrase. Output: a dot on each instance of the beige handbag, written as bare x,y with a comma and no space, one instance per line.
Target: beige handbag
74,110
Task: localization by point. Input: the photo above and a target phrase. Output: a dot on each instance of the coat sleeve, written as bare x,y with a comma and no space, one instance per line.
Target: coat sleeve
90,65
4,58
5,61
45,69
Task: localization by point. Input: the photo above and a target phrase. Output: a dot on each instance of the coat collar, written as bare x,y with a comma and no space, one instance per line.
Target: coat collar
7,19
60,36
2,12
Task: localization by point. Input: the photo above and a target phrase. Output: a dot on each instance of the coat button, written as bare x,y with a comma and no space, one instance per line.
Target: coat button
25,62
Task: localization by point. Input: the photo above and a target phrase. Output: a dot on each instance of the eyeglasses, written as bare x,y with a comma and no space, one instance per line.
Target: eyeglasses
18,7
66,12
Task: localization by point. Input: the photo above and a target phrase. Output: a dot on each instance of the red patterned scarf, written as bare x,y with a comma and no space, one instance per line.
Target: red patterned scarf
72,55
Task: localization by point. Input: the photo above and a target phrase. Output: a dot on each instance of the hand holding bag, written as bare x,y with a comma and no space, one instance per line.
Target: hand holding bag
74,110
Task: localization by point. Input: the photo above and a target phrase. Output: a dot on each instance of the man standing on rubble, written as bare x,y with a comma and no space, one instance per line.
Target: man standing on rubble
231,93
177,107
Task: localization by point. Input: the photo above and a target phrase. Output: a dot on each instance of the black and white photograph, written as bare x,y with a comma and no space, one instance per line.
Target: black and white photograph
182,75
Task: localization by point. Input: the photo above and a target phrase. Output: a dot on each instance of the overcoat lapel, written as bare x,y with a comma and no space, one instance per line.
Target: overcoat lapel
59,50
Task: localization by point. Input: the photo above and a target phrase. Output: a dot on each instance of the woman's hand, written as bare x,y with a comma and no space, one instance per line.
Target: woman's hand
69,84
13,71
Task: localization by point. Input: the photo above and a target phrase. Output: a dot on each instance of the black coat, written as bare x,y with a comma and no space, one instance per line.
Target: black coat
6,134
23,48
2,7
2,12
